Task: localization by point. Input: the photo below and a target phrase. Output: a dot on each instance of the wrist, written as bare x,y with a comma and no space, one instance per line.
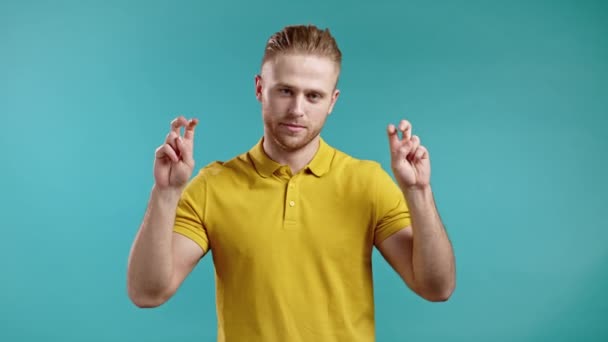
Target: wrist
418,194
417,189
167,194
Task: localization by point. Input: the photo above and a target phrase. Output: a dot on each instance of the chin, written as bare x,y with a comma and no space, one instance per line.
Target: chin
293,143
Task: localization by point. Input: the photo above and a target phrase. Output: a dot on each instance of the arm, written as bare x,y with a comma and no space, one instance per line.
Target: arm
422,253
160,259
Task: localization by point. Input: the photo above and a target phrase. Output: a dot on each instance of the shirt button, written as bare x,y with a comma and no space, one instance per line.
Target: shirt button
292,203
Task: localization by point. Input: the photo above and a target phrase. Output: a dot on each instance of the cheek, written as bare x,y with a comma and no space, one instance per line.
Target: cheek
271,110
320,111
276,105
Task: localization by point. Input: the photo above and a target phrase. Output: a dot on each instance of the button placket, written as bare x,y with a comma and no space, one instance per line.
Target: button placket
291,204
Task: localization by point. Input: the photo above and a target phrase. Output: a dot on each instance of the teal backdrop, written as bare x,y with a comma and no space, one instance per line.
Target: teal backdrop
510,97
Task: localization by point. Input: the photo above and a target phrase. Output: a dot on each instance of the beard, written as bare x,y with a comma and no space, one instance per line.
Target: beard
290,141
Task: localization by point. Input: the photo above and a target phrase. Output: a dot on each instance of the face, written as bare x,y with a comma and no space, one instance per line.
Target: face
297,93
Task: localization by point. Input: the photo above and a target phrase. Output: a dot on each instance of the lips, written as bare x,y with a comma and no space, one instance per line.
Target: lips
293,128
292,125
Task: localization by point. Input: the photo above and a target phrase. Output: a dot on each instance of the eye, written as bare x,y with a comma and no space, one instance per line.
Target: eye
314,96
284,91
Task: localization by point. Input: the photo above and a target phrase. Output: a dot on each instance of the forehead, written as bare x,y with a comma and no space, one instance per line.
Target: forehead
302,71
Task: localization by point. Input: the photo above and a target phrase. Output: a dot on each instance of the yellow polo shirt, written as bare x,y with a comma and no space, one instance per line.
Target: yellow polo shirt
292,253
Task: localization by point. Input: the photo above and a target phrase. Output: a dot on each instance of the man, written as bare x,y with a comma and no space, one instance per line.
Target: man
292,222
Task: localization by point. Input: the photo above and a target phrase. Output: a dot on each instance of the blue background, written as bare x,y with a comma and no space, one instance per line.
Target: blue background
511,98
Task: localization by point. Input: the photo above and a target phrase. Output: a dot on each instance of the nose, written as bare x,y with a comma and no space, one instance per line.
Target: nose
297,105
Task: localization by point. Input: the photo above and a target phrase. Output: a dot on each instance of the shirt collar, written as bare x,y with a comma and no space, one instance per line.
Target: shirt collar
319,165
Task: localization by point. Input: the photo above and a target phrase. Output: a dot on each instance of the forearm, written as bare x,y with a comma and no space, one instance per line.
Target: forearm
432,254
150,263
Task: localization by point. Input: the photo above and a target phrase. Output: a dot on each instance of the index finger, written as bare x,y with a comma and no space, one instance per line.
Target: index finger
177,123
189,133
393,137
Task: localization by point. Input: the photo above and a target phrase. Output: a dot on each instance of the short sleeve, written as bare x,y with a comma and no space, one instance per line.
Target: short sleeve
391,210
190,214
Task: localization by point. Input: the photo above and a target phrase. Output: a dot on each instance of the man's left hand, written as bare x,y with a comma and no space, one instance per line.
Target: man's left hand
409,159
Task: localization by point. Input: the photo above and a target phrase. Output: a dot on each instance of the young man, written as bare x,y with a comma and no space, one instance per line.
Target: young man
292,222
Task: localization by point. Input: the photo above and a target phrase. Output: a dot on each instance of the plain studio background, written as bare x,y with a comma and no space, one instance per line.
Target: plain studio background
511,98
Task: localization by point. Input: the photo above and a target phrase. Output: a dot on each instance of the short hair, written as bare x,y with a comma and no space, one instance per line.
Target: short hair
303,39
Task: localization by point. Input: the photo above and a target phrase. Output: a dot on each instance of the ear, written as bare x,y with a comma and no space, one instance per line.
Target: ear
334,98
258,87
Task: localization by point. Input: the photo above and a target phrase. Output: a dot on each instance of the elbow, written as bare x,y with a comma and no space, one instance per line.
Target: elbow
438,297
145,300
437,293
145,303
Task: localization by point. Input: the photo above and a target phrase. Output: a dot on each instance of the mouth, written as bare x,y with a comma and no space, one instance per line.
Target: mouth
292,127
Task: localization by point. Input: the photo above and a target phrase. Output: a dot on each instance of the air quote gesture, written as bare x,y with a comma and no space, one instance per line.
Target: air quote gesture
174,160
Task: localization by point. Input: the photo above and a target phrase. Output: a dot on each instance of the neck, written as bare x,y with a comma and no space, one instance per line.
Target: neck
295,159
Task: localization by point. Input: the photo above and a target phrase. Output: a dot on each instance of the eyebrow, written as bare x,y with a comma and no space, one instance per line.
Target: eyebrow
285,85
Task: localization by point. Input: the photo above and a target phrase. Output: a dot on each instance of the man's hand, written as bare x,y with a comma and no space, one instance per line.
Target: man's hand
409,159
174,162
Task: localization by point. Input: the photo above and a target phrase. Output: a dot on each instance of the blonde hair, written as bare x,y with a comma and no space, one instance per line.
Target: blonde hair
303,39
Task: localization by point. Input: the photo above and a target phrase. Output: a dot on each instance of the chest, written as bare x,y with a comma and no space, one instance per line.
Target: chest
267,222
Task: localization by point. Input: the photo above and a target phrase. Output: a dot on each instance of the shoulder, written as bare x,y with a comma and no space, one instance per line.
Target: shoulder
348,165
357,175
225,170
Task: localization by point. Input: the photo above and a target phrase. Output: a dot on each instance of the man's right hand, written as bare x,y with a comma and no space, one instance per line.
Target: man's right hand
174,161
